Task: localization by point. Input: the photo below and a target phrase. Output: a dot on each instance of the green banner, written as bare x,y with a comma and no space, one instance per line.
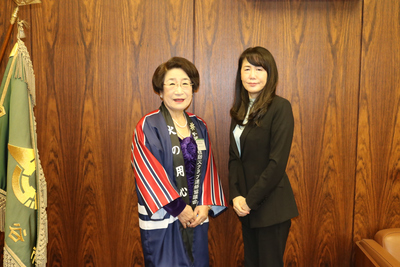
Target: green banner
20,171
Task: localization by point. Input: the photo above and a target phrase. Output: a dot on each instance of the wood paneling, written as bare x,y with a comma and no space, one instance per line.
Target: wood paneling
338,65
7,9
94,62
319,75
378,156
216,57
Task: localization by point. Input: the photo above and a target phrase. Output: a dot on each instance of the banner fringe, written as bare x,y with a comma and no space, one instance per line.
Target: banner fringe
10,259
41,191
24,69
3,199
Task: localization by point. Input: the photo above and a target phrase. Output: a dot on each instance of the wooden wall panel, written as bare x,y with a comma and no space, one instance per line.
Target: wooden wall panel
319,70
94,62
7,8
215,58
321,78
378,154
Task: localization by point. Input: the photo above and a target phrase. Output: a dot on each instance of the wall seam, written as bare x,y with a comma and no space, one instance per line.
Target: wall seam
357,129
194,47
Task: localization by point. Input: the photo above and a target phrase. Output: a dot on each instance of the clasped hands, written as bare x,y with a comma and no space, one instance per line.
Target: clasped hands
192,218
240,206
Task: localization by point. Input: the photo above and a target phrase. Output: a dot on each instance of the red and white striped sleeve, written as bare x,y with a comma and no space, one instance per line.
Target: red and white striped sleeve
152,180
212,193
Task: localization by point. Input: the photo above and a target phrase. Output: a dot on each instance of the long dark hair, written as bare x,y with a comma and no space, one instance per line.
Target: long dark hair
257,56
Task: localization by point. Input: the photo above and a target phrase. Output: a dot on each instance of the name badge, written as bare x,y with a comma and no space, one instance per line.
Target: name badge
201,145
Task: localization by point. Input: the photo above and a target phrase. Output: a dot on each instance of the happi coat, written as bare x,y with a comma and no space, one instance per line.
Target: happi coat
152,160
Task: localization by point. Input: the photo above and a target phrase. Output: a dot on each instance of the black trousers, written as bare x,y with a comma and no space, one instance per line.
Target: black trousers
264,247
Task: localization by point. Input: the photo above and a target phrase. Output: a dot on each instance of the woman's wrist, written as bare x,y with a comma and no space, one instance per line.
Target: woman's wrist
175,207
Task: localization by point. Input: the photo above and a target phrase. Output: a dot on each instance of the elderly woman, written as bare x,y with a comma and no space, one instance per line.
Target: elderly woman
176,178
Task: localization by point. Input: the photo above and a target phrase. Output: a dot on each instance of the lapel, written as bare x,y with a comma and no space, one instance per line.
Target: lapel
233,141
243,137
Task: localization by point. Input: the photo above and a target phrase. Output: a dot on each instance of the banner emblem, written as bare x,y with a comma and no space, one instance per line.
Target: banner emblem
23,190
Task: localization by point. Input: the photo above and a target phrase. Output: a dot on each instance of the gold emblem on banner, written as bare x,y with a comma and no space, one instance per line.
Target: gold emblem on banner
33,255
22,188
16,233
2,111
26,2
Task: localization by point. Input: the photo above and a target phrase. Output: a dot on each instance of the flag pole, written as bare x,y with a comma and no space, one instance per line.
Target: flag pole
9,31
12,21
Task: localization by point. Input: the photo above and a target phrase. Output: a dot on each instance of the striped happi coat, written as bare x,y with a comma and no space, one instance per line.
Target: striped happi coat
152,161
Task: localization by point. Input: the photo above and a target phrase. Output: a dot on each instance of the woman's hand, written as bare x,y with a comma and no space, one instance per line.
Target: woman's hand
187,216
240,206
201,213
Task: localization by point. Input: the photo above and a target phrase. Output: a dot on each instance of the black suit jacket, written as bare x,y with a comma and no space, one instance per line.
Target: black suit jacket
259,173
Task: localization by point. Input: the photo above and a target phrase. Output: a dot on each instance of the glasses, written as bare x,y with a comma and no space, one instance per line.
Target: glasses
183,85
